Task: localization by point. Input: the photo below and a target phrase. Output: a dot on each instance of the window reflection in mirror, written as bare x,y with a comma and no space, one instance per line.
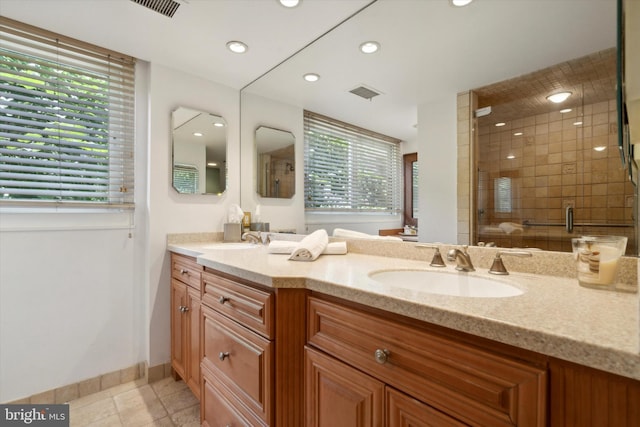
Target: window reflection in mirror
275,153
199,152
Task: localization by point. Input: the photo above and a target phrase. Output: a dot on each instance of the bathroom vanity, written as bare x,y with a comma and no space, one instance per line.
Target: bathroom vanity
323,344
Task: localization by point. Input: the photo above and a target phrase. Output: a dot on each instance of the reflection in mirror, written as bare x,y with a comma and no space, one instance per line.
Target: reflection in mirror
550,171
275,154
410,168
199,152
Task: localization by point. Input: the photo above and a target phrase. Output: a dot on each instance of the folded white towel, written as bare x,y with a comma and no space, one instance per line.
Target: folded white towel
310,248
341,232
287,247
510,227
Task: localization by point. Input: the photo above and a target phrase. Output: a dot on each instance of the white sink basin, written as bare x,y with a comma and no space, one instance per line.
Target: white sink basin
231,245
446,283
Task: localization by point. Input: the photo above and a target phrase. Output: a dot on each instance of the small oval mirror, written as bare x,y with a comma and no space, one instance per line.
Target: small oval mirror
275,152
199,152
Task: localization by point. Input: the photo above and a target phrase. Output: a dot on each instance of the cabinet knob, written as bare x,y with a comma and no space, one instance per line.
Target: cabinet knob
185,309
181,309
183,271
382,356
223,355
223,299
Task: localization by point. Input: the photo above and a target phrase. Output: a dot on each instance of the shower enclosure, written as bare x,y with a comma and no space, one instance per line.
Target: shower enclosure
547,172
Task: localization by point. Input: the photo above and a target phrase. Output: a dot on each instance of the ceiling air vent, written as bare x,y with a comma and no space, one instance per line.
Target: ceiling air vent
364,92
164,7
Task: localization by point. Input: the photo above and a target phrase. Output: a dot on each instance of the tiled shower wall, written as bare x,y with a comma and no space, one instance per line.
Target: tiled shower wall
554,165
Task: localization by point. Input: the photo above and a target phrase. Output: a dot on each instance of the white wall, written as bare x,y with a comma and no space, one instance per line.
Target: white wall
170,212
437,154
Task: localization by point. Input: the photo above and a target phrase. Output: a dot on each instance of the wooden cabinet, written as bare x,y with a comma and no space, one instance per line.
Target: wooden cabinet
242,382
467,382
185,320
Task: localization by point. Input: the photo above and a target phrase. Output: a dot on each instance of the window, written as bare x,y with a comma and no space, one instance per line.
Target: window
502,195
185,179
66,119
349,169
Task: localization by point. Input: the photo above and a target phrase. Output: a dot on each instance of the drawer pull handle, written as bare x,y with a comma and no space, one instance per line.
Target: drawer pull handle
382,356
183,271
223,299
223,355
183,309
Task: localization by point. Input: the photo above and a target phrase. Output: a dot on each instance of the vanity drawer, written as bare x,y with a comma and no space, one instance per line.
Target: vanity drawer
219,404
186,269
248,306
241,359
465,381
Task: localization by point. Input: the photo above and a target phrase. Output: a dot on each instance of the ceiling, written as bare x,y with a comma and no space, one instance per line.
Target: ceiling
430,49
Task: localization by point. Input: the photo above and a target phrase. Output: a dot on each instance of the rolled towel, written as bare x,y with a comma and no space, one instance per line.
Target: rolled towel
310,248
286,247
350,234
510,227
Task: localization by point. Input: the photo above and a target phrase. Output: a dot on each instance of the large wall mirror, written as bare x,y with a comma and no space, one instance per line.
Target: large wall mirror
439,51
199,143
276,161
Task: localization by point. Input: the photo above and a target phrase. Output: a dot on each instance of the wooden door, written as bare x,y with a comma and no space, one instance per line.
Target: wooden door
178,327
338,395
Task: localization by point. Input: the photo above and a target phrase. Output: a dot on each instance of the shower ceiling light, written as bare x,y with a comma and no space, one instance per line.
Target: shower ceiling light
600,148
311,77
511,157
237,47
500,124
369,47
577,123
517,134
559,97
460,3
566,110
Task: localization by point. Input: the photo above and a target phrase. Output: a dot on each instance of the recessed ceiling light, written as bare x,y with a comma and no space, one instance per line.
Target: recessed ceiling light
600,148
559,97
500,124
517,134
290,3
311,77
237,47
511,157
566,110
369,47
218,124
212,164
577,123
197,134
460,3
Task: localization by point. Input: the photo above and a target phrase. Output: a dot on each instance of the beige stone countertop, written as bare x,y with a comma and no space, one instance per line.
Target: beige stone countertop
554,316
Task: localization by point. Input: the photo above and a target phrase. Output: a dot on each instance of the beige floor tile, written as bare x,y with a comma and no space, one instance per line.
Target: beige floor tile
162,422
168,386
135,398
92,412
89,399
110,421
114,391
180,400
143,415
187,416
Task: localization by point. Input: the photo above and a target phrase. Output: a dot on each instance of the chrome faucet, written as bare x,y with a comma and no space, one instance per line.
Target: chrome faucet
252,236
462,259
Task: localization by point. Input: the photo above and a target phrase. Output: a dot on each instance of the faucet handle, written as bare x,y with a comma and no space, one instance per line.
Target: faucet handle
498,266
437,260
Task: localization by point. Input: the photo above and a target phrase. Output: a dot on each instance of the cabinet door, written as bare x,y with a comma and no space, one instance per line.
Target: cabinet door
405,411
192,317
178,327
338,395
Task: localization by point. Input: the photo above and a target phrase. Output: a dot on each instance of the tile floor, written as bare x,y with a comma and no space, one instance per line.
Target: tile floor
138,404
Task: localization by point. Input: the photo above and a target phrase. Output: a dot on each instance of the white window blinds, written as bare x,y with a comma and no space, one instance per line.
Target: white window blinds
66,120
349,169
185,178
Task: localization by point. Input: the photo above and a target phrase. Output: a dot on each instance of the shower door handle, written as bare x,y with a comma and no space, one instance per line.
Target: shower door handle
569,219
